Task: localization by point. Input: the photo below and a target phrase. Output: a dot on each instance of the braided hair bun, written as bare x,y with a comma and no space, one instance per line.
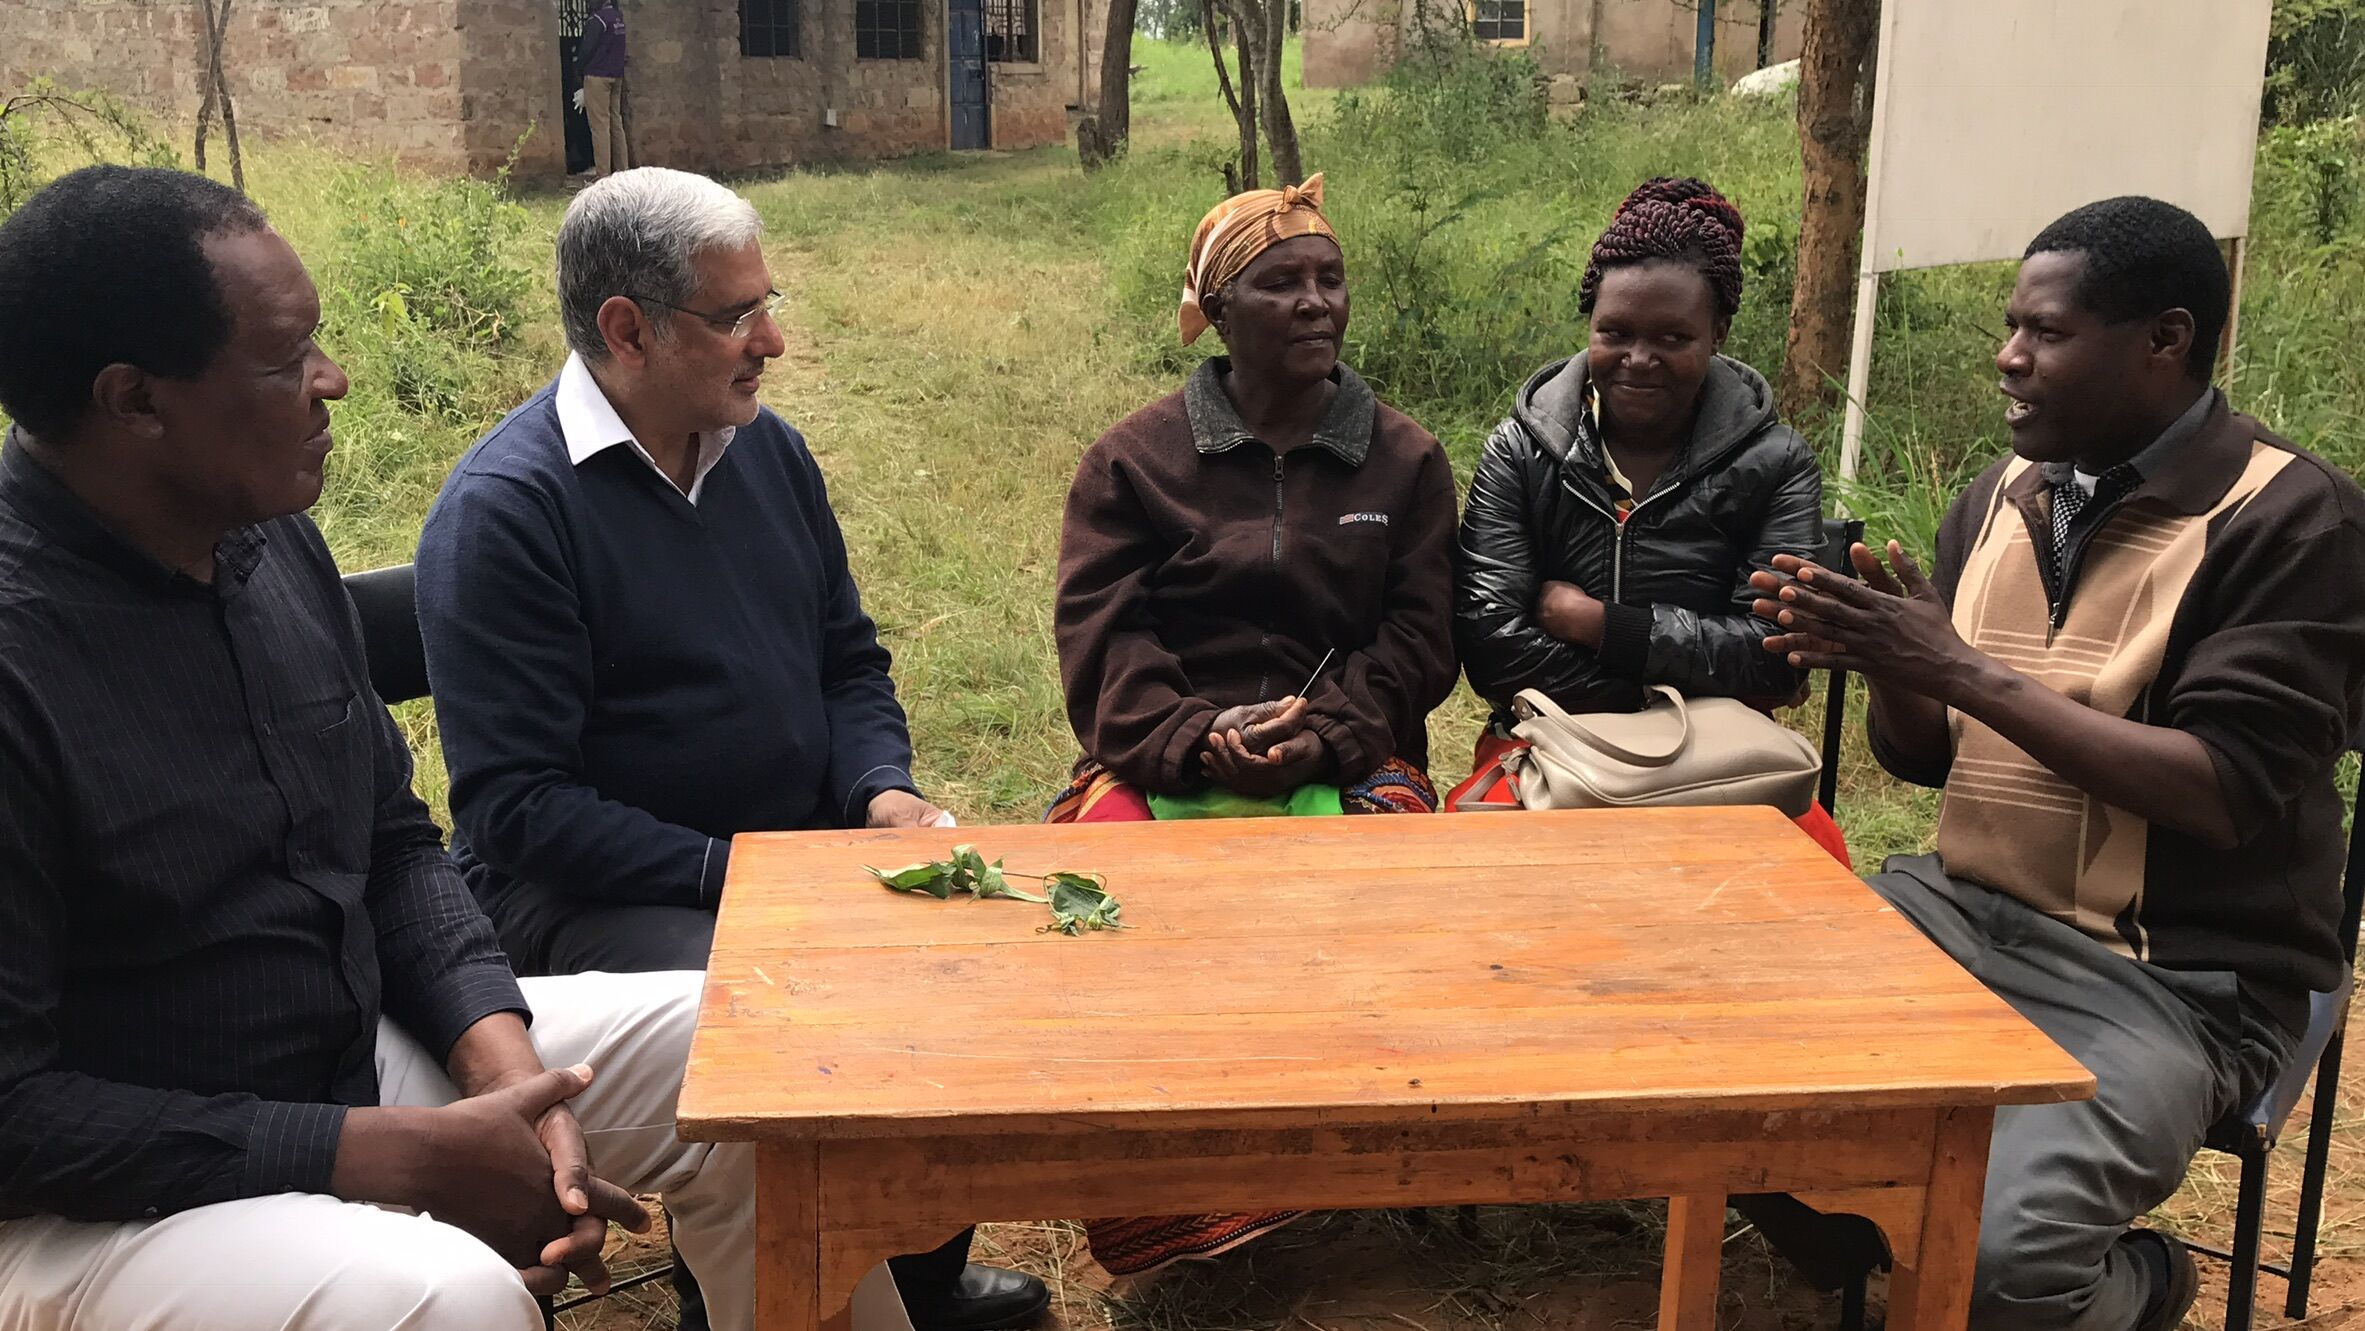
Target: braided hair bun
1674,218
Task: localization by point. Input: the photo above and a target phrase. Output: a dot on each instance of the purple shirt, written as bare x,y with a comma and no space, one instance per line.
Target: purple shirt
603,43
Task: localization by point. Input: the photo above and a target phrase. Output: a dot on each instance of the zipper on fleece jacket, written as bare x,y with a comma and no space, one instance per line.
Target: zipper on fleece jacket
1264,683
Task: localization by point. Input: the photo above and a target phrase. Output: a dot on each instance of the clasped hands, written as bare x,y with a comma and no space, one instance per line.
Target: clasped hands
1888,623
507,1165
1264,749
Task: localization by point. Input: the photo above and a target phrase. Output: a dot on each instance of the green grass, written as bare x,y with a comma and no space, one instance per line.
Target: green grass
961,326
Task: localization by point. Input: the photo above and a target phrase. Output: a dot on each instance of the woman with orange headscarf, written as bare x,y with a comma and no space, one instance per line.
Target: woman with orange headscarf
1255,585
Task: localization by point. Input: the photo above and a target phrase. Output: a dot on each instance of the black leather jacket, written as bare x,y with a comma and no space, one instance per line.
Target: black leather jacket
1674,577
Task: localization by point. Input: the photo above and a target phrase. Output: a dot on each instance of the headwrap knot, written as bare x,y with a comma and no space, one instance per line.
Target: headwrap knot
1237,230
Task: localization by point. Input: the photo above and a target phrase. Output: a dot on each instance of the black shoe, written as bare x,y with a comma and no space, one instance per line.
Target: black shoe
985,1298
2172,1282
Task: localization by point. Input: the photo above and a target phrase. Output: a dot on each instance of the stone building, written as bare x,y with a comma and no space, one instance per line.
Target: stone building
715,85
1648,41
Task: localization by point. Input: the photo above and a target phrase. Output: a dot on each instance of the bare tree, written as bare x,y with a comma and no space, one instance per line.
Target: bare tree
1834,123
1101,136
1240,175
214,20
1271,20
1259,29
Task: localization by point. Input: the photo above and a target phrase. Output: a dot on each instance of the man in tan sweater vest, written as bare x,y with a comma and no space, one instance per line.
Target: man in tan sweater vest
2133,672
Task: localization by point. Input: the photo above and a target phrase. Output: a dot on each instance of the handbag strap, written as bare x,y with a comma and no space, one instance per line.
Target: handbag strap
1651,756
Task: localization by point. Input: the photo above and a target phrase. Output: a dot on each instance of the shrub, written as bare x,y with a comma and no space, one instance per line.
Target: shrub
2315,61
44,122
435,251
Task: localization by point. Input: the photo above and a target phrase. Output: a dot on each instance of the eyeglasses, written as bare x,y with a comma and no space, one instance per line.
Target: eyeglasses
736,325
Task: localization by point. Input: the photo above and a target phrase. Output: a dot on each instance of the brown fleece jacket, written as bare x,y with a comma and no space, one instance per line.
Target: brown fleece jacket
1199,570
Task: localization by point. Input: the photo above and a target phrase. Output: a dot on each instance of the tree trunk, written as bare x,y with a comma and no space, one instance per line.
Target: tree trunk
1280,128
215,20
1246,111
1834,124
1101,137
1242,116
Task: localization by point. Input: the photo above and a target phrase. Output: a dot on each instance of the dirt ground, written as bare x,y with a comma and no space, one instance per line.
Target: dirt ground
1565,1268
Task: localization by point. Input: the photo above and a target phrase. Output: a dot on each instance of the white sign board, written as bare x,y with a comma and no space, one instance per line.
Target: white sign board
1993,117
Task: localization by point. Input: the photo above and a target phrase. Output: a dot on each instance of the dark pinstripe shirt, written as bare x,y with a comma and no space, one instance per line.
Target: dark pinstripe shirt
213,873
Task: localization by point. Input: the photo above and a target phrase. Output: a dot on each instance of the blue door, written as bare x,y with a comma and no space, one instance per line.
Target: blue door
964,30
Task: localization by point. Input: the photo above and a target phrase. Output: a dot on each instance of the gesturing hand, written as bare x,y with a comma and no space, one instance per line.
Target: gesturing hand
1894,630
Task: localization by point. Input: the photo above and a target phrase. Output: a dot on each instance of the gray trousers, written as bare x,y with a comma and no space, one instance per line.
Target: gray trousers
2171,1053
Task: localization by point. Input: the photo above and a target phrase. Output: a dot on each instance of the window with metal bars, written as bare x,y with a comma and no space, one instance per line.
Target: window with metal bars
1010,32
1498,20
887,29
769,27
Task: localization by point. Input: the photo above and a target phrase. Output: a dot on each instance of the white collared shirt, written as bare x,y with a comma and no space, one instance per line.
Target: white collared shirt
590,425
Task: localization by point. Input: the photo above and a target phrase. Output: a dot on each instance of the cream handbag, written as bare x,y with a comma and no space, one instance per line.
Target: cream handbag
1672,752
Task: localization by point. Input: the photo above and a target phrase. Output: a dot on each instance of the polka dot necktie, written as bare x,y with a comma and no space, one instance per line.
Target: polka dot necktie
2070,499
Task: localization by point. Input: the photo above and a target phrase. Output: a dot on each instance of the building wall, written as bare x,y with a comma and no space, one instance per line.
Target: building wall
1349,42
510,83
379,74
455,84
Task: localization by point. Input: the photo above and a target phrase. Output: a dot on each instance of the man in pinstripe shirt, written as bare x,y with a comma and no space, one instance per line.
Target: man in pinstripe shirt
246,1006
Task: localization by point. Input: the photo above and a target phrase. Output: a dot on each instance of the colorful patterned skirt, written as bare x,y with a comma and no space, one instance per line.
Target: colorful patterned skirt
1137,1245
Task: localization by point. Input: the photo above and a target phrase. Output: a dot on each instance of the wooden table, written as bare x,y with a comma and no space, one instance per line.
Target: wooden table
1351,1012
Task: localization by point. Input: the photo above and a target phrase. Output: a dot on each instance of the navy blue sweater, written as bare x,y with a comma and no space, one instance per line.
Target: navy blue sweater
624,680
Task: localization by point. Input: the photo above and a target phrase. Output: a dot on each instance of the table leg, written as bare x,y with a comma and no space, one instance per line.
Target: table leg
849,1255
1934,1292
788,1236
1695,1254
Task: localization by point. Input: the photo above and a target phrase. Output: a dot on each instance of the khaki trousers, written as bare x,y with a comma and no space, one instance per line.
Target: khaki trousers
304,1262
603,106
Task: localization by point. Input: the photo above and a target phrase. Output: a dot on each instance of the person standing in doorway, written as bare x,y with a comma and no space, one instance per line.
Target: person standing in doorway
601,98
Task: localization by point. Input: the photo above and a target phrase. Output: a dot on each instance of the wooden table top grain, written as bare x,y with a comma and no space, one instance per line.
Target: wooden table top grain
1297,971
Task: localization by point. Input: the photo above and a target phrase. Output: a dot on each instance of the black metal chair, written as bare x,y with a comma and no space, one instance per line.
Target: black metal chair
2251,1133
387,601
1838,535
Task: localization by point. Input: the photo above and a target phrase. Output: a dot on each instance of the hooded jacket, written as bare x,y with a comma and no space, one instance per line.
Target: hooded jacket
1674,577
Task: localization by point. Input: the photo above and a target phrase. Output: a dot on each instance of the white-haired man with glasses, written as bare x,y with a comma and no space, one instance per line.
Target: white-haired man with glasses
644,637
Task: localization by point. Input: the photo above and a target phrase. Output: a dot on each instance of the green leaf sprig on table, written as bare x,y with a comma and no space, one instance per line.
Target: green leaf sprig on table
1078,901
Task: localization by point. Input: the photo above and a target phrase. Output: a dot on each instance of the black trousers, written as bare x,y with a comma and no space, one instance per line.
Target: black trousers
546,933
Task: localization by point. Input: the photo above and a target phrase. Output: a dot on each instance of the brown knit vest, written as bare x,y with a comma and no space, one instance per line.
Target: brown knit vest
2009,823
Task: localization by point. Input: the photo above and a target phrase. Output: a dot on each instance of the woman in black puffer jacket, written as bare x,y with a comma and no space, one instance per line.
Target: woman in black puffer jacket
1615,518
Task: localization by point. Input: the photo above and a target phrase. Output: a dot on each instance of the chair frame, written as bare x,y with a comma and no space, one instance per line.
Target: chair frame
398,673
1839,536
2251,1142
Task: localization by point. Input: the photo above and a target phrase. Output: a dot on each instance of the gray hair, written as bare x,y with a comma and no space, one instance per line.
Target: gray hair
635,234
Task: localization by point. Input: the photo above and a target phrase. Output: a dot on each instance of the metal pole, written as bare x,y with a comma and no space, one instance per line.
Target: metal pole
1851,436
1765,33
1704,47
2233,318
